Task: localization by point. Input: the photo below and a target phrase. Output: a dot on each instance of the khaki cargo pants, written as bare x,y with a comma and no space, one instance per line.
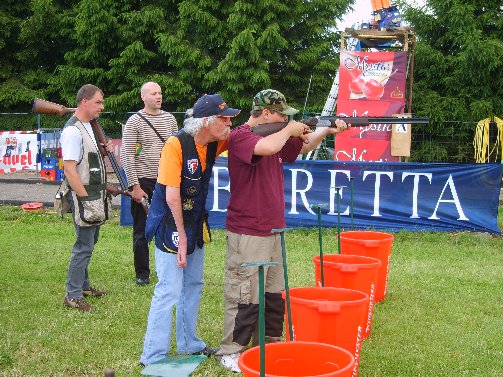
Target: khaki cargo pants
241,291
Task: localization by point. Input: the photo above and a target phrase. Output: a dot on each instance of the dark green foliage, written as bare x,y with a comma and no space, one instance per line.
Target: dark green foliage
49,48
458,73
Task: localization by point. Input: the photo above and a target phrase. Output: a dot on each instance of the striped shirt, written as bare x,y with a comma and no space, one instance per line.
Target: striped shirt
141,147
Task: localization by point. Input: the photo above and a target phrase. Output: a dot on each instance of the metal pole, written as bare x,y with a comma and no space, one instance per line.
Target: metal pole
285,273
39,146
320,240
261,320
261,309
322,274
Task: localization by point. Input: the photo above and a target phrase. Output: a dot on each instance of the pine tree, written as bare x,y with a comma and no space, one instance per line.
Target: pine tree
52,47
458,73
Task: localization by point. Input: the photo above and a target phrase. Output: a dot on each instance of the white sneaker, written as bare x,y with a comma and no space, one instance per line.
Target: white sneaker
231,362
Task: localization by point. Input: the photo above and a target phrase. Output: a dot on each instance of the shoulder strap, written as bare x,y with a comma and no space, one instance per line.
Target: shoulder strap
151,126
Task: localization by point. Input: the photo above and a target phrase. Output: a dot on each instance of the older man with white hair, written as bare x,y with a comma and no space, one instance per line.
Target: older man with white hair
179,222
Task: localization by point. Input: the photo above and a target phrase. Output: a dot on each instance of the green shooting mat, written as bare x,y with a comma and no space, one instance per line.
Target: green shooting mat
174,366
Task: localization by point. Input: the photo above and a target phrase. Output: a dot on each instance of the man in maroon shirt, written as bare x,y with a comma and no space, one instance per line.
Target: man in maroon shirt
256,206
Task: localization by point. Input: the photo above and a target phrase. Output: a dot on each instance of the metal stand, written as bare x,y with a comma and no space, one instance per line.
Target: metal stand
261,309
285,273
320,240
338,191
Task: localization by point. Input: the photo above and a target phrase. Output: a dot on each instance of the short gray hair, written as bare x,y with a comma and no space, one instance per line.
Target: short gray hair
193,125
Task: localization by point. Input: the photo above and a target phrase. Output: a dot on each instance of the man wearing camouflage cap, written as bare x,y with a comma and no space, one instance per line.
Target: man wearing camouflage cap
257,206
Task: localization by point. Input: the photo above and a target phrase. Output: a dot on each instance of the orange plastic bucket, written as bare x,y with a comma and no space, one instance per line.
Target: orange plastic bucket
329,315
299,359
353,272
371,244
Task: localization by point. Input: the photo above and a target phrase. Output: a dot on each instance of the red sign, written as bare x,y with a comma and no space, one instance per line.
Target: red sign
370,84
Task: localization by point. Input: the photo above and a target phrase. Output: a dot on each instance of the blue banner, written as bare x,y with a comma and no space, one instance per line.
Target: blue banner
380,196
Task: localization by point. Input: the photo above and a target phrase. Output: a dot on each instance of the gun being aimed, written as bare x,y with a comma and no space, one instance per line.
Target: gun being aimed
329,121
45,107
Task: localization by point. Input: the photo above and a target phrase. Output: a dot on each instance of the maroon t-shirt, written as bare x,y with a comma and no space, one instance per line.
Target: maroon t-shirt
257,200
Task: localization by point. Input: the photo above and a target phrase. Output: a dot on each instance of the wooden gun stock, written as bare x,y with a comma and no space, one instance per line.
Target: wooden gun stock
41,106
114,191
329,121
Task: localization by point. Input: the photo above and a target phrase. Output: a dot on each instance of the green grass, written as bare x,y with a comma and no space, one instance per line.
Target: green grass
442,316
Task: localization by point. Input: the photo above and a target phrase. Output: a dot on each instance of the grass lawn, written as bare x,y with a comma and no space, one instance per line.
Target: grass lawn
442,316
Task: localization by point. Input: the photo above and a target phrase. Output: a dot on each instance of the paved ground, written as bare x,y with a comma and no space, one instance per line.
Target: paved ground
25,187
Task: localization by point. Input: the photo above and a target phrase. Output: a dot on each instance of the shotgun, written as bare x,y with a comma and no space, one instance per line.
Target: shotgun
329,121
41,106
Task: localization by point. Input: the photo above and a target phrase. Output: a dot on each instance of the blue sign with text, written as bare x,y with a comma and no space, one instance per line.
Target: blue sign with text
381,196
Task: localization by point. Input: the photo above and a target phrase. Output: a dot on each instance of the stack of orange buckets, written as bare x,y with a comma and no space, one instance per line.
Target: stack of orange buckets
339,310
331,319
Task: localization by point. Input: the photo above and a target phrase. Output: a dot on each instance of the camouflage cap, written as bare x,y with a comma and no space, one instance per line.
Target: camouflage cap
272,100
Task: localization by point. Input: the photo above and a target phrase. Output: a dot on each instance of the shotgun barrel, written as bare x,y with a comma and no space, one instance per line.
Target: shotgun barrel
329,121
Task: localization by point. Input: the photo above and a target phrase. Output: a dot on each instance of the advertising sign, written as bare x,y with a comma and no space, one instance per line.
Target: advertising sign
370,84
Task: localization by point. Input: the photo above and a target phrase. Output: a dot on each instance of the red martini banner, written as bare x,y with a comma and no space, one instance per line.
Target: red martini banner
370,84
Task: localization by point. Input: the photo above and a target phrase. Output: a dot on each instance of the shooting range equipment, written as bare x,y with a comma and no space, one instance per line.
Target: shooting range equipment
261,309
370,244
352,272
320,239
174,366
329,315
338,189
299,359
329,121
285,273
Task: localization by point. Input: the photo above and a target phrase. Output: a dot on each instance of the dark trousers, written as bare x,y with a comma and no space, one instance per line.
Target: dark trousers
140,244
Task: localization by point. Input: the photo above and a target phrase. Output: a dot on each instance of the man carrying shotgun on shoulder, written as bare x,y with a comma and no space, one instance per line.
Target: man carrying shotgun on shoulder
86,175
257,206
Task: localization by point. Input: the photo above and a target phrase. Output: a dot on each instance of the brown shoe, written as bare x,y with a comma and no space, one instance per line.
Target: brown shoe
92,292
78,303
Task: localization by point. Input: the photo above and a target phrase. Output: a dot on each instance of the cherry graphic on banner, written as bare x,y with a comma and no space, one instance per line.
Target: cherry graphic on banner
373,90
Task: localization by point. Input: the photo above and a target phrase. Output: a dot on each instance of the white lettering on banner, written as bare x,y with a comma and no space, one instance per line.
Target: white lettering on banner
415,190
221,183
333,191
350,157
302,192
376,127
216,188
362,64
377,186
455,200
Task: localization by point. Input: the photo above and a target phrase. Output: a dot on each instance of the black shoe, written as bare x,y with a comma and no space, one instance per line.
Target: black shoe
141,282
206,351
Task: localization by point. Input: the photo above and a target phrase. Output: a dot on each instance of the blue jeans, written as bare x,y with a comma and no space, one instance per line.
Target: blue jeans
181,287
77,277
